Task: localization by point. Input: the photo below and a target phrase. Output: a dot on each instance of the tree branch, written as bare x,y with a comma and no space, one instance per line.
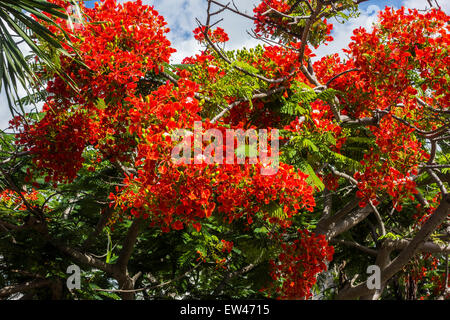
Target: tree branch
128,244
440,214
30,285
355,245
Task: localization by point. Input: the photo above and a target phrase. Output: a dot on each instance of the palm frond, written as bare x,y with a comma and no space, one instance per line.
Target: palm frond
18,27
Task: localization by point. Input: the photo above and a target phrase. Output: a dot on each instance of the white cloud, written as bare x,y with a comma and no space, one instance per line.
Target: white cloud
181,15
423,4
4,111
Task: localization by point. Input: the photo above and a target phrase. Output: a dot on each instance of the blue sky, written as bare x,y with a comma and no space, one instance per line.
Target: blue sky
382,3
181,14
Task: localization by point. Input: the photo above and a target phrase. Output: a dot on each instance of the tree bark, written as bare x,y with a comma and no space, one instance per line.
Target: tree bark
439,216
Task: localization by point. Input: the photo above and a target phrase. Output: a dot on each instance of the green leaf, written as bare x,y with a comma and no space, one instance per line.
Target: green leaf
312,179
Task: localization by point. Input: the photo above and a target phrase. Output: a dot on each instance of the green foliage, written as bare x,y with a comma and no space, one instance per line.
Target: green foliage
298,101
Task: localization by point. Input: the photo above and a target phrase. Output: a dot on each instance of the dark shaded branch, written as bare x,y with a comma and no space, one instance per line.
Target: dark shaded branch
343,175
438,181
85,258
344,220
426,247
339,75
104,218
128,244
356,245
232,275
348,222
426,134
30,285
255,96
306,30
325,223
151,287
379,219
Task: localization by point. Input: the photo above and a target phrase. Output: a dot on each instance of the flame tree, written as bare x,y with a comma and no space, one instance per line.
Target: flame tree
362,176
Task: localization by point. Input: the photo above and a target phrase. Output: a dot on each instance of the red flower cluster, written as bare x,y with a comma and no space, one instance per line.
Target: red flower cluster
403,57
407,49
11,198
187,194
266,22
218,35
227,246
278,62
47,141
391,166
118,45
299,264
